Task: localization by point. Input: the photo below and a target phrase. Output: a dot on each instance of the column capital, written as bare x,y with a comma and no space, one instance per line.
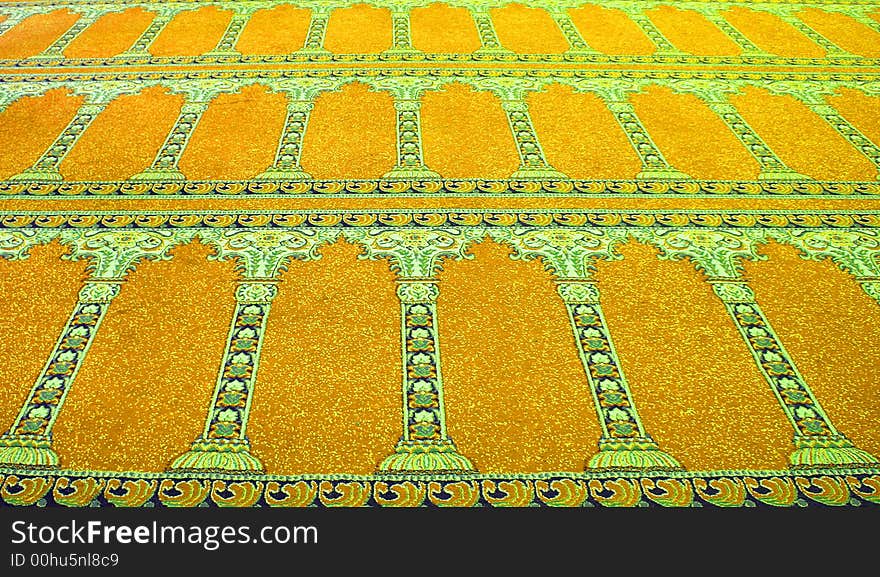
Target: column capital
412,291
100,291
415,253
253,291
732,291
578,291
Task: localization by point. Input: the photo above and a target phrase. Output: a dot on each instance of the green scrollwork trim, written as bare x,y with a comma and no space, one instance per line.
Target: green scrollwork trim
218,455
829,451
638,454
426,456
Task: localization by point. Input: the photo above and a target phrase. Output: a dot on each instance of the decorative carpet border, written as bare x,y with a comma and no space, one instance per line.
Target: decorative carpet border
824,488
536,218
353,74
799,3
171,189
442,58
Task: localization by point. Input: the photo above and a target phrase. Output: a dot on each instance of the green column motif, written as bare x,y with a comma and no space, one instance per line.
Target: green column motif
407,92
713,15
10,92
414,254
861,16
240,17
854,251
261,256
852,134
401,34
533,163
12,21
56,49
789,17
636,14
716,97
772,167
113,254
654,164
570,256
489,43
224,445
717,254
410,156
46,167
576,42
314,43
141,46
197,99
164,166
286,165
301,94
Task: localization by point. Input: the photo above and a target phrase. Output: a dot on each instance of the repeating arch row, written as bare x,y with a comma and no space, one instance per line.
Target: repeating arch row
408,91
416,255
401,34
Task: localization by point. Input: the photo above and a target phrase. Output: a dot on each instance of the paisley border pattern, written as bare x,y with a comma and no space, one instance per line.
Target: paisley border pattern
832,488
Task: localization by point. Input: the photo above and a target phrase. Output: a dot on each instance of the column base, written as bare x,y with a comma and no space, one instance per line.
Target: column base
782,175
426,457
143,54
33,452
828,451
415,173
33,174
670,174
640,454
159,174
284,174
538,174
218,455
47,57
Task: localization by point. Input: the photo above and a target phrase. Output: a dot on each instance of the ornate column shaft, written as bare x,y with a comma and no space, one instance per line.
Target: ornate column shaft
852,134
713,15
46,167
576,42
817,442
533,163
625,445
56,49
314,43
637,15
772,167
486,29
425,445
654,164
410,158
11,22
29,440
224,445
860,16
401,34
226,45
829,47
286,165
141,46
164,166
